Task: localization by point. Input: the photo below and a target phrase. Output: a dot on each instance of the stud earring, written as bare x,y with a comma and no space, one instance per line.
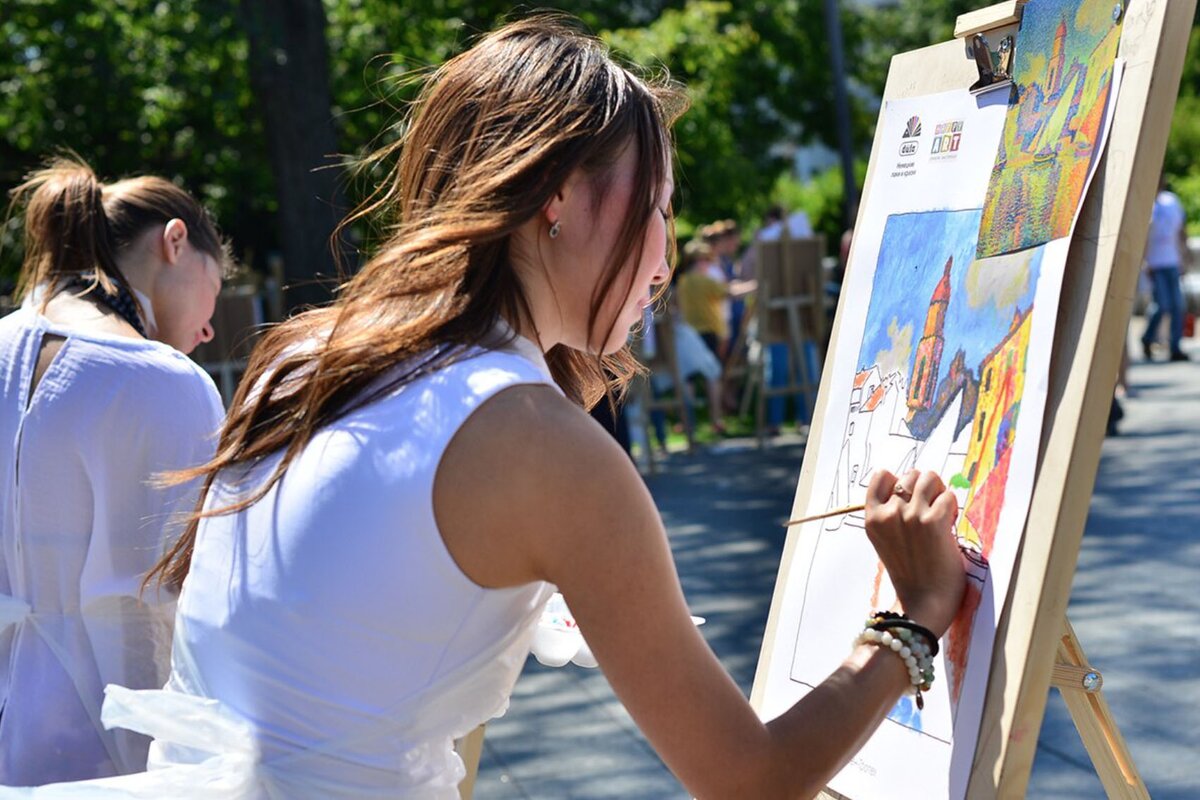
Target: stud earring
555,229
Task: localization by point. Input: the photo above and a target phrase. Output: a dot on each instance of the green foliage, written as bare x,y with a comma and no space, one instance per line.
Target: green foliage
821,198
720,164
135,87
888,29
758,76
1181,165
143,86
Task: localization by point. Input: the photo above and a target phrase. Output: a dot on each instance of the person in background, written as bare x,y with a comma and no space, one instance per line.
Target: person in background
1167,256
798,225
724,239
703,293
614,418
98,398
694,360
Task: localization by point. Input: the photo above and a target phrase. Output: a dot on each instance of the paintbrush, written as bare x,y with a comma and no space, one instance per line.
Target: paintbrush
823,515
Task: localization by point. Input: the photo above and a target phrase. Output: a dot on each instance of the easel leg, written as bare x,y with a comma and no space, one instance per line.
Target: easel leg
1080,687
470,748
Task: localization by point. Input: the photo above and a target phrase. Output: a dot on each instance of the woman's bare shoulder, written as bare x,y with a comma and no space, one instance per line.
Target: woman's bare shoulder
520,478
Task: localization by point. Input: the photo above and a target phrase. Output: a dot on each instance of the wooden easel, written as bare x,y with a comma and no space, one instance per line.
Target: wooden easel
1035,645
665,361
741,363
1080,687
470,748
790,306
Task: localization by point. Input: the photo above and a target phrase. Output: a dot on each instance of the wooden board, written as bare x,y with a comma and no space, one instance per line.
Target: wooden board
988,19
1097,296
791,270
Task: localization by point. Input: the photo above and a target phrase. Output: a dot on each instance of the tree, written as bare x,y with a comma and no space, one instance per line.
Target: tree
758,76
240,101
136,87
1180,165
289,70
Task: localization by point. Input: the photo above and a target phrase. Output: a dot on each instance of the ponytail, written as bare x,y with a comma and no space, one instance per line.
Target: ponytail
75,225
66,232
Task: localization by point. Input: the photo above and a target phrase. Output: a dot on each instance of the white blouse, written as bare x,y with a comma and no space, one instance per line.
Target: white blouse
80,524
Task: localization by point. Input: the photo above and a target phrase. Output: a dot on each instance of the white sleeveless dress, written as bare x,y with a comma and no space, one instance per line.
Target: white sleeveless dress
327,645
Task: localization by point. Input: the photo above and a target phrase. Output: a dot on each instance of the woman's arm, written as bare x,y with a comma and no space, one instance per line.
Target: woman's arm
531,488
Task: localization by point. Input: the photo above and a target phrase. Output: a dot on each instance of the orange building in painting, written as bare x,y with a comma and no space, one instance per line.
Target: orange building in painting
922,384
1001,384
1058,60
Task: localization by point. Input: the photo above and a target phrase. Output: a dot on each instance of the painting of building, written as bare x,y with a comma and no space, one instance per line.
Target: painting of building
1001,385
985,472
938,386
876,434
923,385
1062,76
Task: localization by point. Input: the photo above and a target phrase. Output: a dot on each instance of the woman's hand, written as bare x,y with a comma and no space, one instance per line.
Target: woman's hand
910,521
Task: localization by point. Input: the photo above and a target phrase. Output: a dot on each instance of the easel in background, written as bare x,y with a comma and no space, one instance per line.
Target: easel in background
742,359
1035,646
663,361
790,306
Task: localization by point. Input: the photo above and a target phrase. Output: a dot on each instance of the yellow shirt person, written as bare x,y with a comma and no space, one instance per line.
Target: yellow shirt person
701,301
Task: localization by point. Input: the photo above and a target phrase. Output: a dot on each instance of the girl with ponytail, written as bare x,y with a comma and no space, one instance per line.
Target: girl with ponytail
96,399
406,475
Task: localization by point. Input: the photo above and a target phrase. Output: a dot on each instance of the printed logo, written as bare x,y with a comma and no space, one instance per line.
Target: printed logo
908,149
947,137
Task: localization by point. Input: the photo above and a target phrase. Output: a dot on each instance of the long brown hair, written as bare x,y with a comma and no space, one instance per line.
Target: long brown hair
493,134
75,225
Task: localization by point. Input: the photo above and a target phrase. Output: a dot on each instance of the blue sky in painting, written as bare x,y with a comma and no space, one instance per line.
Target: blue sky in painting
912,258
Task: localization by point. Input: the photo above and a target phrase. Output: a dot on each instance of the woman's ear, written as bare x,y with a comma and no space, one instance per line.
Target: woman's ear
552,211
174,237
555,207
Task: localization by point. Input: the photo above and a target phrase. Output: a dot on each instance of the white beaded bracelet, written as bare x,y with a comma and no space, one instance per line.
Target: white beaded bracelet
914,652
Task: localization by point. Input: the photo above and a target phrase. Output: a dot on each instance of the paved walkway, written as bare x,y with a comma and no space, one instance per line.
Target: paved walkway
1134,605
1135,597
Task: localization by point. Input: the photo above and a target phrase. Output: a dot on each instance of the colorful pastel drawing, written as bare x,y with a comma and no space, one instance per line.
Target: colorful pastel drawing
1062,77
938,386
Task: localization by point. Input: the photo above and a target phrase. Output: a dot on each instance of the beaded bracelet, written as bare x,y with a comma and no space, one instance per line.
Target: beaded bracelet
908,644
883,620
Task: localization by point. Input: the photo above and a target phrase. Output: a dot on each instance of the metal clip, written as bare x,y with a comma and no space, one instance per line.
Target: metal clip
991,75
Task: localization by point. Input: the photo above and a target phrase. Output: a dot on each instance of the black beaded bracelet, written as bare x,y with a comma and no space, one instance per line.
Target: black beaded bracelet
890,619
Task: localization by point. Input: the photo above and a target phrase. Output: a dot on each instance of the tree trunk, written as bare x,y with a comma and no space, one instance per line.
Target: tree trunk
289,73
841,107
